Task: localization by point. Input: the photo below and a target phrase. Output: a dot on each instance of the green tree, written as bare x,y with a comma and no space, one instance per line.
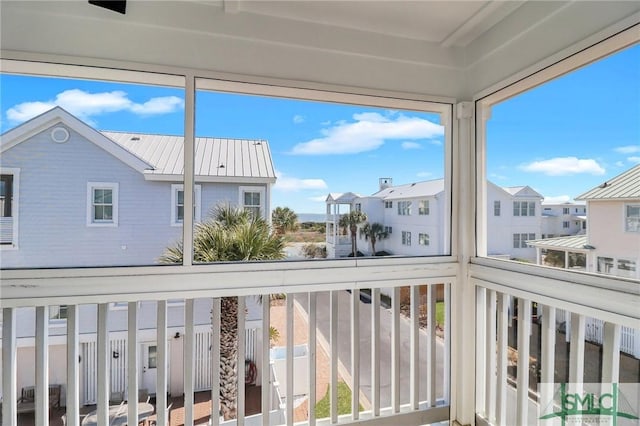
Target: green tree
351,221
374,232
230,234
284,220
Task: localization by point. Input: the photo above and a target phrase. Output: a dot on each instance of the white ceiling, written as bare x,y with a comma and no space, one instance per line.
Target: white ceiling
443,22
436,49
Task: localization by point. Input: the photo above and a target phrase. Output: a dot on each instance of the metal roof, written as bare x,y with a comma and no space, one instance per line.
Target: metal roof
623,186
412,190
572,242
214,158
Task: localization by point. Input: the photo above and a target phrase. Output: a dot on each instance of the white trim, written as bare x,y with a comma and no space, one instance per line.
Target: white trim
150,175
58,115
113,186
174,199
15,207
261,190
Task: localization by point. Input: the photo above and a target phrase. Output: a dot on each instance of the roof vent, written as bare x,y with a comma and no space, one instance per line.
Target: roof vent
604,185
257,143
221,166
135,138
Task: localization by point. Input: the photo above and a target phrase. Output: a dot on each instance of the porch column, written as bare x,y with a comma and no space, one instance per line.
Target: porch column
566,260
463,301
538,256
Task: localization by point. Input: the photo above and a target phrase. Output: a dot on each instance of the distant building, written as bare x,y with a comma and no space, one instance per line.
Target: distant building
414,217
560,220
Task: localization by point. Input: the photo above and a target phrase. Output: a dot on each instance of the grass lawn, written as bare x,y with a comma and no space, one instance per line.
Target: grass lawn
323,407
440,313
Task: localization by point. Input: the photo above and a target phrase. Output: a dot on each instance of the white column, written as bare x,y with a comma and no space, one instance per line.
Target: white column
42,366
73,367
463,300
189,149
133,360
9,367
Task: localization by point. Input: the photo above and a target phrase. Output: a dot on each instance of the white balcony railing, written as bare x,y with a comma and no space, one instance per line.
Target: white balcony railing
544,313
414,360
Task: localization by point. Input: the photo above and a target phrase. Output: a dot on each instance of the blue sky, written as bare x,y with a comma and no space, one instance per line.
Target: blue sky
562,138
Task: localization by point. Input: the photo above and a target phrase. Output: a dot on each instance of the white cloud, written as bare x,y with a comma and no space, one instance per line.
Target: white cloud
368,132
424,174
85,105
561,166
634,160
558,199
293,184
629,149
619,164
411,145
297,119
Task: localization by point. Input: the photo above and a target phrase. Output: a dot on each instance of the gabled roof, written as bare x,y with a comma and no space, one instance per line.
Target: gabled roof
217,160
522,191
58,115
341,197
623,186
427,188
160,157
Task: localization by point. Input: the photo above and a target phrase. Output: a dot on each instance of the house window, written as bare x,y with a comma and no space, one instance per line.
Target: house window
102,204
404,208
423,207
565,224
496,208
632,218
177,204
388,229
406,238
565,210
605,265
6,195
626,265
58,312
358,207
524,208
9,208
423,239
520,240
252,199
388,204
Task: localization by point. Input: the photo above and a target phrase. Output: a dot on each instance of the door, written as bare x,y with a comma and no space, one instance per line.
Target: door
149,360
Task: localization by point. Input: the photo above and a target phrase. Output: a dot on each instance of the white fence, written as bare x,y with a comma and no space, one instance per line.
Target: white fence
425,391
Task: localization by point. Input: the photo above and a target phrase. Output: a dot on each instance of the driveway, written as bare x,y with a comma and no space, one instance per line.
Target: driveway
344,346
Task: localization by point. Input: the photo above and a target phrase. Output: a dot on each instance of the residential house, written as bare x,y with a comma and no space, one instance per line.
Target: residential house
76,197
611,244
415,220
560,220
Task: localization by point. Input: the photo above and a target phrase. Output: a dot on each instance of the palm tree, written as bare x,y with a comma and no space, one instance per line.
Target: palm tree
284,220
352,220
374,232
230,234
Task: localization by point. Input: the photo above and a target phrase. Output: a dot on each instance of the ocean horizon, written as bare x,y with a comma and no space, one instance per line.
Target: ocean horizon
311,217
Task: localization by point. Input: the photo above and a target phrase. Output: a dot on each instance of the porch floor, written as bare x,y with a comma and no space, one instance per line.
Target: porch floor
202,409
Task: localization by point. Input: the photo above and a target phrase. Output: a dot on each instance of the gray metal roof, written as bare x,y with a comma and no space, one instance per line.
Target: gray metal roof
623,186
412,190
573,242
214,158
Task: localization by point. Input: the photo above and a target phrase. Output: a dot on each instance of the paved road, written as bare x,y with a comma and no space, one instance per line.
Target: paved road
344,346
